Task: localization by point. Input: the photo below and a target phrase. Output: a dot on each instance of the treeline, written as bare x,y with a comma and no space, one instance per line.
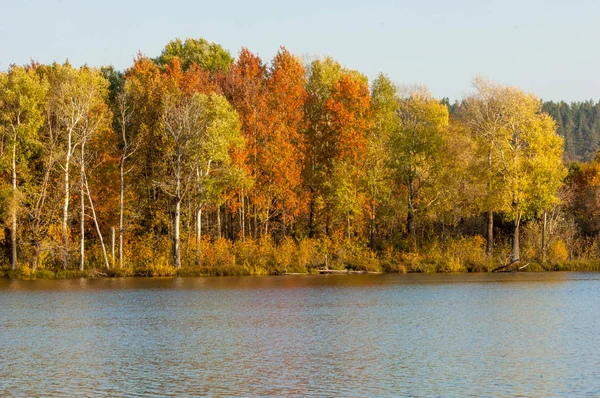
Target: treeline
196,162
578,123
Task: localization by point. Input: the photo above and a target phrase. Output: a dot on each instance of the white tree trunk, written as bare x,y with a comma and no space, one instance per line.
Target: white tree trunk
82,214
13,232
112,243
87,188
199,235
121,205
65,218
177,217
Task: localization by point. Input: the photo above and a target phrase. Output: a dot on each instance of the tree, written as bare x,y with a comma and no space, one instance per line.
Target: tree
208,56
384,108
525,152
78,111
417,146
198,130
129,143
482,114
22,102
348,112
338,121
245,86
282,155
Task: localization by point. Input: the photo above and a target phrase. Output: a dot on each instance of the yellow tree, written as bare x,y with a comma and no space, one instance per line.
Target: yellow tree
22,101
481,113
417,150
524,152
531,160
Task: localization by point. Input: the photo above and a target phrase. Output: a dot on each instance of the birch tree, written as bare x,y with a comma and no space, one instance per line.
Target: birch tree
78,110
199,130
22,101
523,152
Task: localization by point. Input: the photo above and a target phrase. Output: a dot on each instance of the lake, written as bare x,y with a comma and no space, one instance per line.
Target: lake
522,334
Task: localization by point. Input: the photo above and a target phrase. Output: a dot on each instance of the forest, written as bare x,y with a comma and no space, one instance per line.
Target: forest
199,163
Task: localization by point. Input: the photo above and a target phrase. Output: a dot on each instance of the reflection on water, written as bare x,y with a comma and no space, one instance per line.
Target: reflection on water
361,335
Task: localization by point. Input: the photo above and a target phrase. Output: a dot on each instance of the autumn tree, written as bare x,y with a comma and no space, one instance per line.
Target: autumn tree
199,131
208,56
384,109
145,87
348,110
78,111
417,148
22,102
482,114
245,86
123,109
338,120
282,155
523,150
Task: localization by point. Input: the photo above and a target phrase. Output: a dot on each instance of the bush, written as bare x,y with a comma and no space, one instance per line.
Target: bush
557,252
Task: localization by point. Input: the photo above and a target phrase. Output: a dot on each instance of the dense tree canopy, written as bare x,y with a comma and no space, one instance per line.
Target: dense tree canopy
197,159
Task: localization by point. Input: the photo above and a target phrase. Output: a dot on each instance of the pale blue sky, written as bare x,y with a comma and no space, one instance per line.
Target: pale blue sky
548,47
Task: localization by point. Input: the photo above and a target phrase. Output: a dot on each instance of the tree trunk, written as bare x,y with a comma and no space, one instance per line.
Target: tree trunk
198,235
348,226
255,222
36,255
267,224
410,218
243,217
311,215
65,218
177,217
372,227
544,238
112,244
516,257
82,210
105,256
489,251
121,209
13,232
443,237
176,234
219,222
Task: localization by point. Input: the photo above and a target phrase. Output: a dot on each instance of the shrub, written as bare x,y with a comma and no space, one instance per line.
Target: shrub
557,252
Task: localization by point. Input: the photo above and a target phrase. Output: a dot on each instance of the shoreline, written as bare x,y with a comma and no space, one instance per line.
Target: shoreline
102,273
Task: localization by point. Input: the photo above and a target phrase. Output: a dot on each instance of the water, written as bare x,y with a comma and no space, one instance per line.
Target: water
362,335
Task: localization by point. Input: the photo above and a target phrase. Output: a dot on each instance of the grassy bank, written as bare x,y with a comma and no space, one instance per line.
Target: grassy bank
169,271
264,257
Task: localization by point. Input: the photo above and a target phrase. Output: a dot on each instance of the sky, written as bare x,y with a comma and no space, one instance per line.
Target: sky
546,47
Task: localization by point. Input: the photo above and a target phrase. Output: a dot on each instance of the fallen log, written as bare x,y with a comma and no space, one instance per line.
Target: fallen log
505,266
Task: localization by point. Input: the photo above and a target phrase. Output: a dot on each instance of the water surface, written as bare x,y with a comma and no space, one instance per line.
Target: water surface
526,334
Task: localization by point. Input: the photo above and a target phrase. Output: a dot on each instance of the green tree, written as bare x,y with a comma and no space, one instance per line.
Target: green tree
22,102
384,108
417,150
209,56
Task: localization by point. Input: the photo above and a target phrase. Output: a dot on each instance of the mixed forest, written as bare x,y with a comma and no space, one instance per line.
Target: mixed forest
199,163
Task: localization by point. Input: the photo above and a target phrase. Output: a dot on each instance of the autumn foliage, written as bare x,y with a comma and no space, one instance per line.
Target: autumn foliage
196,160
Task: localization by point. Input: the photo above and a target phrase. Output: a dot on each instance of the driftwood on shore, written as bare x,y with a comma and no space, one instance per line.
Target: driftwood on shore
343,272
507,267
334,272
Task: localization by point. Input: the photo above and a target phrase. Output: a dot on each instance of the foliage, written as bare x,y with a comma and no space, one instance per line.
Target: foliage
209,56
199,164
